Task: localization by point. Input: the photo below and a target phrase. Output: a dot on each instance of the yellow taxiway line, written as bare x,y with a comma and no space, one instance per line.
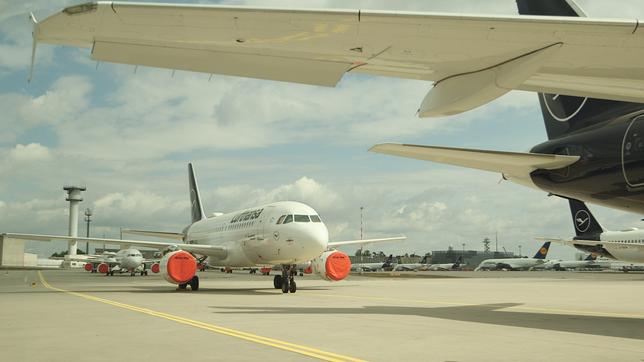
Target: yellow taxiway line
287,346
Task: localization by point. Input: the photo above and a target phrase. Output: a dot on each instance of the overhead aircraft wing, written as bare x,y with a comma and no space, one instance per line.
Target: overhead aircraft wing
472,58
156,234
365,241
518,164
210,250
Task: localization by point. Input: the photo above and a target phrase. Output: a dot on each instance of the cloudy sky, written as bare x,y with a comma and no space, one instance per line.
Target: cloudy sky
128,137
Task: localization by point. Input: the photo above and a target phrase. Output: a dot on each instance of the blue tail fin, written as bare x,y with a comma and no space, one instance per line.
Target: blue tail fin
195,200
543,251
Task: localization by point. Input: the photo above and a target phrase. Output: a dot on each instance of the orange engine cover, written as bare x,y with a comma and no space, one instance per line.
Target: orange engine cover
178,267
88,266
103,268
155,267
332,265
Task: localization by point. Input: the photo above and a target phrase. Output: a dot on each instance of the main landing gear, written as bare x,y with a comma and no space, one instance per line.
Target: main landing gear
193,283
286,281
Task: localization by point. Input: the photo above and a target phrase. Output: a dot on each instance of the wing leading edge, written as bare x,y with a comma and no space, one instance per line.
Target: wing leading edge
490,54
516,164
210,250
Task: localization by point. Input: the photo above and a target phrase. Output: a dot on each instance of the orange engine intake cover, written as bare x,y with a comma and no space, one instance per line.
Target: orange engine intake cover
338,266
88,266
103,268
181,267
155,268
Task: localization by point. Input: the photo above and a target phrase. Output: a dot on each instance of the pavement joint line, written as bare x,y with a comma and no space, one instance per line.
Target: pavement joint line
461,304
291,347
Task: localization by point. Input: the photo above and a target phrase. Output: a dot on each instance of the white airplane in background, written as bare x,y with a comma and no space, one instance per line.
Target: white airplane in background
285,233
126,260
412,266
627,246
558,264
447,266
516,263
371,267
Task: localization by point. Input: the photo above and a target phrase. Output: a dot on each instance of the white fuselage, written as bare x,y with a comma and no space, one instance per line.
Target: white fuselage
513,263
624,245
129,259
253,237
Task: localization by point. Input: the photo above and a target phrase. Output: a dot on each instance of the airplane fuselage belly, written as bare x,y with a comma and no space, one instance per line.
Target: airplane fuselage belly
610,171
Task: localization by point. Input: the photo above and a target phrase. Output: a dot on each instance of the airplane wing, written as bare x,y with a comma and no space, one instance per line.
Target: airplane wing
517,164
364,241
210,250
156,234
471,58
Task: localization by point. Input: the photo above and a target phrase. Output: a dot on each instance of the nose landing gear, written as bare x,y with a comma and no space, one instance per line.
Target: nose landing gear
286,281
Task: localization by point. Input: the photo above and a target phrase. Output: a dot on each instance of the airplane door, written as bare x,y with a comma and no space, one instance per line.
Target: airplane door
633,153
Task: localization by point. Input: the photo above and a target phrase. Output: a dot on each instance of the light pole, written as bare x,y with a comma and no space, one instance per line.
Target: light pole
519,250
463,255
88,219
361,225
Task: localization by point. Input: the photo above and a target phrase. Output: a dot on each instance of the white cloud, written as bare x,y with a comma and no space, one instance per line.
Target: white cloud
30,152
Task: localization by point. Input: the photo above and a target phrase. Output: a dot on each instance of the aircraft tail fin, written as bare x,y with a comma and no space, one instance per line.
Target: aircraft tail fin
195,200
591,257
459,261
543,251
565,114
424,260
389,261
586,226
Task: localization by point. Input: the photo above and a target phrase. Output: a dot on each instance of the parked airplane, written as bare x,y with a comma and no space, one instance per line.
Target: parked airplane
412,266
595,150
472,59
285,233
558,264
590,237
447,266
371,267
126,260
516,263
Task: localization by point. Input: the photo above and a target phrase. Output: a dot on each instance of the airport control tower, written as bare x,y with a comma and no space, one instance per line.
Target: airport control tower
74,198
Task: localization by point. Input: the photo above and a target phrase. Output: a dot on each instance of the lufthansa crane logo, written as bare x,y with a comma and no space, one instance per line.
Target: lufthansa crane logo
563,108
582,221
543,251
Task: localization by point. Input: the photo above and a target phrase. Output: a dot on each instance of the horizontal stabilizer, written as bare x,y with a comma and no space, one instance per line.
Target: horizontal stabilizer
156,234
210,250
508,163
365,241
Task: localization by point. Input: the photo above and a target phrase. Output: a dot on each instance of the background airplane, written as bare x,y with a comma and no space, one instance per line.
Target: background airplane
285,233
516,263
412,266
591,237
448,266
371,267
126,260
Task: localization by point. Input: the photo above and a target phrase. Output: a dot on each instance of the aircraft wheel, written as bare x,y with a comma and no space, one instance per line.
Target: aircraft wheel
277,281
293,287
285,285
183,286
194,283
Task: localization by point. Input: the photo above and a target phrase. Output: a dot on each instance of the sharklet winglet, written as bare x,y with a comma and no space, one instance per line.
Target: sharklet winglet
34,35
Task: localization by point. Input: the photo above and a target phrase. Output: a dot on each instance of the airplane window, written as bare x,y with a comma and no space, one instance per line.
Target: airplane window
302,218
315,218
281,219
289,218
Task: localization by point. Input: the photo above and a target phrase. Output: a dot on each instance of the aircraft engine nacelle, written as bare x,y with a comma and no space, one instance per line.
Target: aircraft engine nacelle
155,267
178,267
103,268
88,267
332,265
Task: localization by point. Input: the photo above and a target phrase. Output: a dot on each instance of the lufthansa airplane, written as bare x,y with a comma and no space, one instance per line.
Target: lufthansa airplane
591,237
516,263
126,260
285,233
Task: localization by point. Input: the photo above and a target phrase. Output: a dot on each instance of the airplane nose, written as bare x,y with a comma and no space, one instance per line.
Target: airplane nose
318,236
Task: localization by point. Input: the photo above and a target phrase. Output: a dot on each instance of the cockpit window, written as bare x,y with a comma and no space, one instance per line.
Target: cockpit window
281,219
289,218
315,218
302,218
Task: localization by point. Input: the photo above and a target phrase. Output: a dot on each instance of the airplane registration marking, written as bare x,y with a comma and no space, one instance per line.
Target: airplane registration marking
291,347
463,304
